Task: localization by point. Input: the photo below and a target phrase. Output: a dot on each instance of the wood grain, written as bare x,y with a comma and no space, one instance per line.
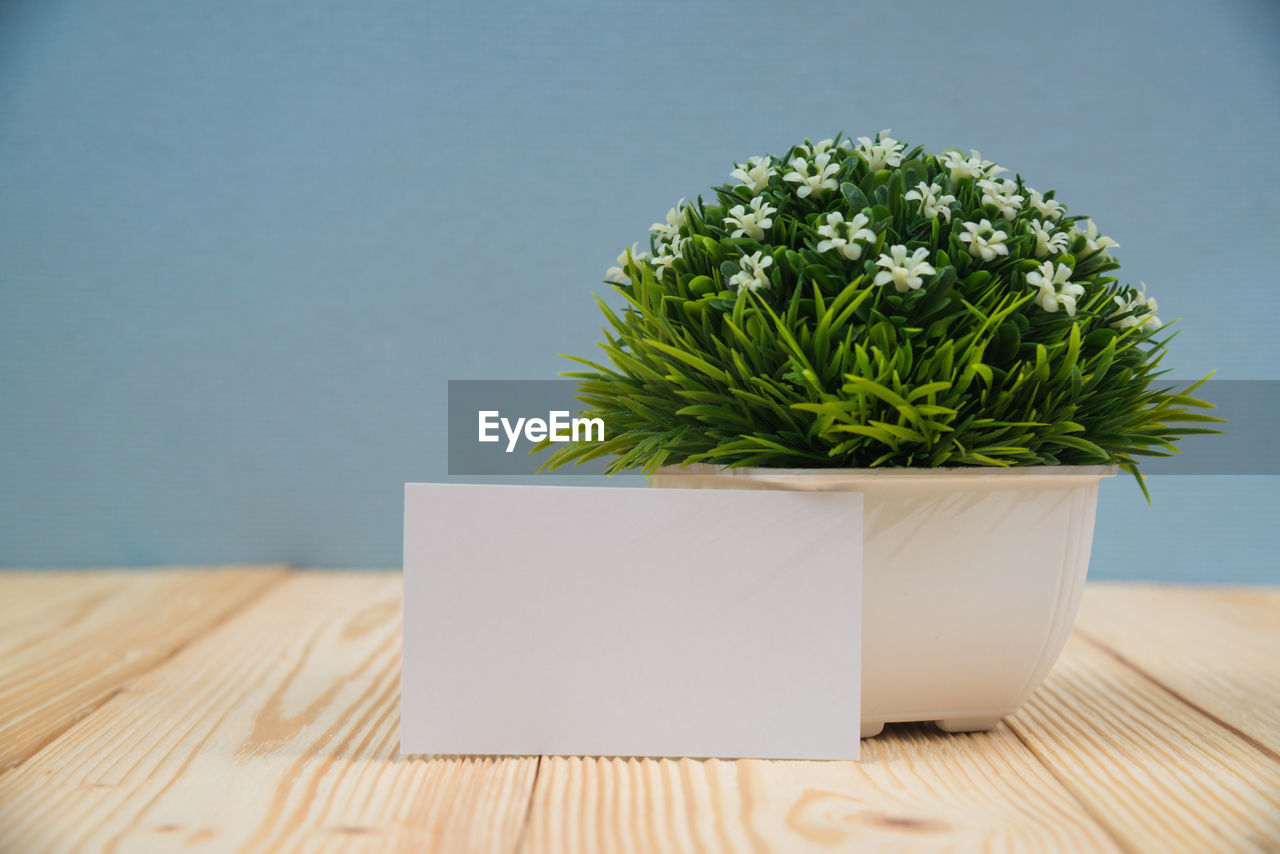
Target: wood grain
1160,775
276,732
72,639
1218,649
916,789
255,712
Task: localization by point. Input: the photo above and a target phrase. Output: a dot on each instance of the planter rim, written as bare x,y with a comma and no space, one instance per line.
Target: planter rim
896,472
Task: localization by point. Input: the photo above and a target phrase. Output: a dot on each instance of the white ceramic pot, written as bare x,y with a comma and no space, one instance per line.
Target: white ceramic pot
971,579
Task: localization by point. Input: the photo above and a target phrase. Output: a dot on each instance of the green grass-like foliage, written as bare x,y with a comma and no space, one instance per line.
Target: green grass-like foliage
797,357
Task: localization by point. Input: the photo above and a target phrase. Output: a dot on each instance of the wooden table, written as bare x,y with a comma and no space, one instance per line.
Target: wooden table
255,709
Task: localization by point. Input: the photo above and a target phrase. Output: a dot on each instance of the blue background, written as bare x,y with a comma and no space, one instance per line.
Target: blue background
243,246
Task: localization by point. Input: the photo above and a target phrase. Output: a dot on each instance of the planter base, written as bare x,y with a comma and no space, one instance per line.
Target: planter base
870,729
968,724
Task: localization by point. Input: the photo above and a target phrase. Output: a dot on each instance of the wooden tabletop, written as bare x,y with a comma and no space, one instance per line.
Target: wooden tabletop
255,709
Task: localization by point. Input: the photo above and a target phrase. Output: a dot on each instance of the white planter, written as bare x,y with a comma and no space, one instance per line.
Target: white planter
971,579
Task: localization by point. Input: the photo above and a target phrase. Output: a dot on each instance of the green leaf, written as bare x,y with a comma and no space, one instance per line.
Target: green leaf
854,196
690,359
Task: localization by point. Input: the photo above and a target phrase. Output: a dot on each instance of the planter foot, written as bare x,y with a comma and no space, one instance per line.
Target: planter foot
968,724
872,729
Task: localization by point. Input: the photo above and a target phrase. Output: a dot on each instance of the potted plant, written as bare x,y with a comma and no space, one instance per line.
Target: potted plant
921,328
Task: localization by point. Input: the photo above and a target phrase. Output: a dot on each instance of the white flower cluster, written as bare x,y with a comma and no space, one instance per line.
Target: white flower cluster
1009,199
1003,196
677,217
751,223
969,167
812,149
846,237
905,271
812,176
885,151
668,240
1048,241
667,255
1137,302
756,173
1056,287
752,275
933,202
1050,209
984,240
812,170
619,273
1093,241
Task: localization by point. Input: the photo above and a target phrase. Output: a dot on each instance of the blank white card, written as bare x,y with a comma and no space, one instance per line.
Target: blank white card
631,622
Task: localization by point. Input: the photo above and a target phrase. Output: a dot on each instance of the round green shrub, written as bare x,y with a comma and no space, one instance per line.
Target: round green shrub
858,304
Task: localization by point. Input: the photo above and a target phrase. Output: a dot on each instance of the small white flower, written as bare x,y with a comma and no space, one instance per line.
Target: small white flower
619,273
933,203
1047,208
813,177
848,237
969,167
906,272
756,173
1093,242
667,254
751,223
884,151
1048,241
751,273
1139,302
812,149
984,241
1002,195
1056,287
676,219
664,259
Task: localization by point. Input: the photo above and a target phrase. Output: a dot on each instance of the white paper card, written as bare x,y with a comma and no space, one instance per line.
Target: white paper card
631,622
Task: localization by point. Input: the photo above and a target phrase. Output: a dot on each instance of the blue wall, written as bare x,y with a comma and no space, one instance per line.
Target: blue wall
243,246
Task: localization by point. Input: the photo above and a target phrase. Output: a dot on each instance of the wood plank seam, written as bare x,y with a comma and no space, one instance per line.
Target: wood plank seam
522,840
244,743
56,734
1234,730
1065,783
